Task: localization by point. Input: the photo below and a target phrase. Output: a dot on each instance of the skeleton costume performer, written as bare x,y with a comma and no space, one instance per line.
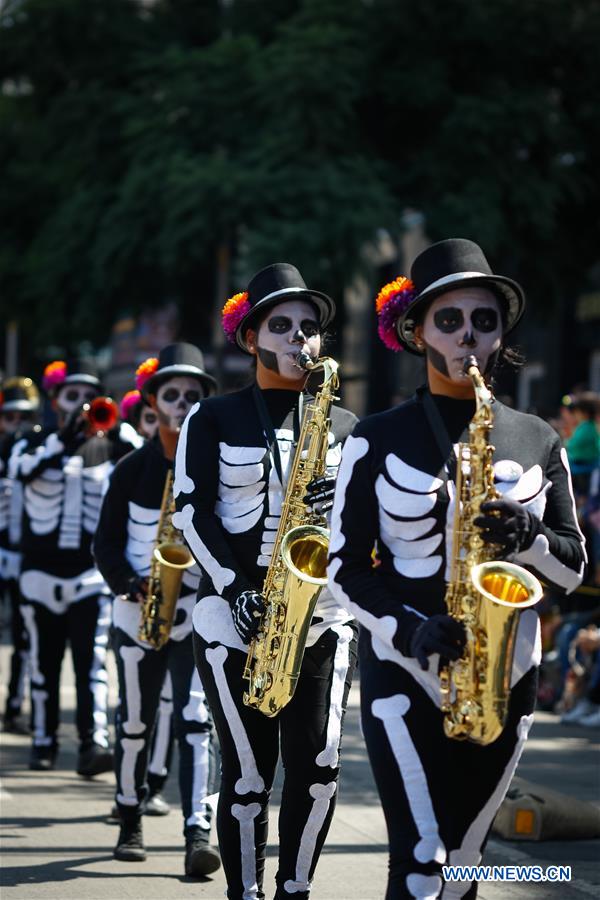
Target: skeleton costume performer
144,419
125,541
62,474
19,401
231,474
395,491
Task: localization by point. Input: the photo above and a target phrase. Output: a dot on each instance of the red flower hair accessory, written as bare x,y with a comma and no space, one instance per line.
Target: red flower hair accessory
144,371
234,311
54,374
392,301
131,399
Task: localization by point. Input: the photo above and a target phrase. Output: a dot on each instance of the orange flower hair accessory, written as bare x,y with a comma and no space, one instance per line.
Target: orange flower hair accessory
144,371
234,311
392,300
54,374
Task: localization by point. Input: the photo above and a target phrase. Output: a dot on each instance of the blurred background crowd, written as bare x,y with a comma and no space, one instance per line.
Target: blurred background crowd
155,153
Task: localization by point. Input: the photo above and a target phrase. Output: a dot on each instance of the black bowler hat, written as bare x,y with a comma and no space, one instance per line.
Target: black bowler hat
173,360
270,286
442,267
73,371
19,394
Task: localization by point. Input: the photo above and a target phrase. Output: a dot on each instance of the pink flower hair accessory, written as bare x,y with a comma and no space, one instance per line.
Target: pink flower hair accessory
128,402
54,375
392,300
144,371
234,311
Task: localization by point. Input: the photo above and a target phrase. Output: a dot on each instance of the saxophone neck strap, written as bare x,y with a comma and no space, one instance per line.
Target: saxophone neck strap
269,430
437,425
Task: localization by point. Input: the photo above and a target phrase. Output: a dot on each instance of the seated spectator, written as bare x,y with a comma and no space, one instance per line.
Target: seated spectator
586,710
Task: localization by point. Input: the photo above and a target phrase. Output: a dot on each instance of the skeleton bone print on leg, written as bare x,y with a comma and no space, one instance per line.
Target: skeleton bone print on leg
330,755
200,743
391,710
251,781
469,852
246,816
322,795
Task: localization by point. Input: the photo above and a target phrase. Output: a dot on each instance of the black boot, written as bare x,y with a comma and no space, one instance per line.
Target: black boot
130,846
200,857
93,760
43,759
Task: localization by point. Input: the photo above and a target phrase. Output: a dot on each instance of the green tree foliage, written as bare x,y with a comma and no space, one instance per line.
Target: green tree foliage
136,139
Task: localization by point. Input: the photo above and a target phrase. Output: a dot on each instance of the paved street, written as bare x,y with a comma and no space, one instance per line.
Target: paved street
58,844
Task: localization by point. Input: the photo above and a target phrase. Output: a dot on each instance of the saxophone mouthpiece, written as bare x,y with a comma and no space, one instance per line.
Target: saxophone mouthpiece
304,361
469,362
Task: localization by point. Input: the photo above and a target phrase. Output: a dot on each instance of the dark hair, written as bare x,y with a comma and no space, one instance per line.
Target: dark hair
587,403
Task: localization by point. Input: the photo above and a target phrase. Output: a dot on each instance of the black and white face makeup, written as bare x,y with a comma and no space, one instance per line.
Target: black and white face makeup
289,328
148,425
175,398
12,420
461,323
72,396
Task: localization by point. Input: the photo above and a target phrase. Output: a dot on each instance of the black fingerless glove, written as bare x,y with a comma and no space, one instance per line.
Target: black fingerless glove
246,611
319,494
73,429
507,523
439,634
136,585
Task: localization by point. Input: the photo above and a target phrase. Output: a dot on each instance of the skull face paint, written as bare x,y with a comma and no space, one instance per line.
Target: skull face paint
459,323
288,328
175,398
11,421
72,396
148,425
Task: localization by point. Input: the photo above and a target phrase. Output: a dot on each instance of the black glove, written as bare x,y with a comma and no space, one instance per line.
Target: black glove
137,588
319,494
439,634
246,611
507,523
73,428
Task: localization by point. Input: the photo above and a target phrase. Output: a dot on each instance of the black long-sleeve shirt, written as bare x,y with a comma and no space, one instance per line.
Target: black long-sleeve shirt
127,534
228,493
393,491
62,493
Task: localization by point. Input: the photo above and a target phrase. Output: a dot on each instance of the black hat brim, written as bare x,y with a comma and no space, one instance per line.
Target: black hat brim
77,378
154,382
508,292
325,307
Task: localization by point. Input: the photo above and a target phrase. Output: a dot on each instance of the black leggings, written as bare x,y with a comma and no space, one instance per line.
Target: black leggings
309,729
85,625
141,674
20,647
439,795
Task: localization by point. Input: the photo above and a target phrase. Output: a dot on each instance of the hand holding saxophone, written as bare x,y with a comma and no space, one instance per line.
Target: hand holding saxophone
138,588
246,611
507,523
439,634
319,494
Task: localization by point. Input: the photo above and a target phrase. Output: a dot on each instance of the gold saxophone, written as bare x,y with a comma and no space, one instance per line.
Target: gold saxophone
297,572
169,559
484,593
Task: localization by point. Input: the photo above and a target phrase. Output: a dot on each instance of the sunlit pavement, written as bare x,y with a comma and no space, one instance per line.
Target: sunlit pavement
57,842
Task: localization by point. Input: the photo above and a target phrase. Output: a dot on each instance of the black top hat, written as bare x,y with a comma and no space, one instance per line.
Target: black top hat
73,371
19,394
176,359
452,264
272,285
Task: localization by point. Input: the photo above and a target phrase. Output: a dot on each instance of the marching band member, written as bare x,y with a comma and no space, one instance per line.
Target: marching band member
19,402
64,595
396,491
230,477
125,541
